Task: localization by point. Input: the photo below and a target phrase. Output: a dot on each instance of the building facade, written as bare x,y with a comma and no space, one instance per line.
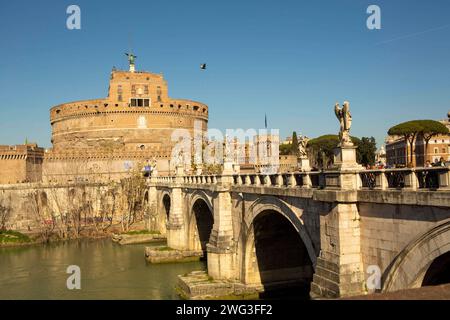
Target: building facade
21,163
397,150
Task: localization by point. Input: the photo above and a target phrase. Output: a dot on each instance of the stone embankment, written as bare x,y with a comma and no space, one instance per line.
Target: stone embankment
164,254
124,239
197,285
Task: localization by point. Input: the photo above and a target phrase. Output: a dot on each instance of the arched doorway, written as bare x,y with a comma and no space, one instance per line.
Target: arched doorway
201,225
277,257
438,272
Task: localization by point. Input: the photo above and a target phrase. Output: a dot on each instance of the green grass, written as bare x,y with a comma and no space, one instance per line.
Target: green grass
9,236
141,232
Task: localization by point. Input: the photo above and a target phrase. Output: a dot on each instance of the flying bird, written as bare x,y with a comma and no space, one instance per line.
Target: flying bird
203,66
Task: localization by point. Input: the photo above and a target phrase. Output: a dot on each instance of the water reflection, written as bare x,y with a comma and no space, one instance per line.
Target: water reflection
108,271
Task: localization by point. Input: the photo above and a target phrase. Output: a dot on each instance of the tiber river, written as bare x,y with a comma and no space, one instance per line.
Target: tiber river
108,271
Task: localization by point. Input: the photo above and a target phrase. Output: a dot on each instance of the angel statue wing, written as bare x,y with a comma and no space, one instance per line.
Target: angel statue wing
346,107
337,111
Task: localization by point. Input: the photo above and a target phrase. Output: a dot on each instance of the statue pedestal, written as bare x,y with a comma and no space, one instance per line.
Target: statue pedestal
179,171
303,164
345,158
228,168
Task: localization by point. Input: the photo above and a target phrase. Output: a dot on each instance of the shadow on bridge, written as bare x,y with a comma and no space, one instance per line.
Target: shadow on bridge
439,271
283,266
201,225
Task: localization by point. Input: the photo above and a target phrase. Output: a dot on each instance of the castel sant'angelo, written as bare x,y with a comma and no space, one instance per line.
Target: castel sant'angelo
108,137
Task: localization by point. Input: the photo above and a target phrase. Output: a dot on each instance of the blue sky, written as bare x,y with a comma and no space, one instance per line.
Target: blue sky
290,59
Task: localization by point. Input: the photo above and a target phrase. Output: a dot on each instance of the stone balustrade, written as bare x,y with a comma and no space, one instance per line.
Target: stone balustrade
380,179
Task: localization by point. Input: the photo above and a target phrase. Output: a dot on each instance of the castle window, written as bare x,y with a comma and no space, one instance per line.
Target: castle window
133,89
142,147
436,150
195,108
119,92
158,92
140,102
146,89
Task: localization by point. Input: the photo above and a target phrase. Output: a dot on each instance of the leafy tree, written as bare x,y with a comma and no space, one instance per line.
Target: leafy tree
285,149
322,148
367,147
431,128
410,130
294,145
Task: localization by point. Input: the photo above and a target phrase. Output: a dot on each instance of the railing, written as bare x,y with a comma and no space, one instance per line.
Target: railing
383,179
407,178
287,180
164,179
429,179
396,179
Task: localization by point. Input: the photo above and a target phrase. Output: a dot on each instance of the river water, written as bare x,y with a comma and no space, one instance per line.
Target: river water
108,271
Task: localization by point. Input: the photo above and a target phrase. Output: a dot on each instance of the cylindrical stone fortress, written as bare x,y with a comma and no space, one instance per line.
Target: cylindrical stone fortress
133,124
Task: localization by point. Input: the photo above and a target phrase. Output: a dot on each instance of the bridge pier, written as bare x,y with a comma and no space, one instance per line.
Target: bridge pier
176,233
152,223
220,249
339,270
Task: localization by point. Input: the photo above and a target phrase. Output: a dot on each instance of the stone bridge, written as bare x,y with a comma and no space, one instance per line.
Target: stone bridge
330,233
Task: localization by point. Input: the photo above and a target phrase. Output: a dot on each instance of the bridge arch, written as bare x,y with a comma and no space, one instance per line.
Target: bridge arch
201,220
425,261
278,252
164,211
200,194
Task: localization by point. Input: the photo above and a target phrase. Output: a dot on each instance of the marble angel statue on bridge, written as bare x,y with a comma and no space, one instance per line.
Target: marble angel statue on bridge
345,120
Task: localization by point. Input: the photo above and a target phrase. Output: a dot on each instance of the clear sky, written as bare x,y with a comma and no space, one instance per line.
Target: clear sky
290,59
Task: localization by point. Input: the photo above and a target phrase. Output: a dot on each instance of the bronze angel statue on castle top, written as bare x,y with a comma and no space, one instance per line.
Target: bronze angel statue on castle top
345,120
